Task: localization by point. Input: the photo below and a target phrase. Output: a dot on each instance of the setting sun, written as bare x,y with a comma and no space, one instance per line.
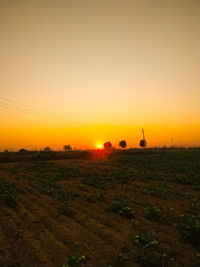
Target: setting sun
99,146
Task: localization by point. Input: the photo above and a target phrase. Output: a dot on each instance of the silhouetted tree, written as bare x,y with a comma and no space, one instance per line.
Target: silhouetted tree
6,151
22,150
107,146
143,143
122,144
67,148
47,149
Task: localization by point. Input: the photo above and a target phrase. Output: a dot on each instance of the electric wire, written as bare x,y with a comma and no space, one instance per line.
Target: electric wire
14,105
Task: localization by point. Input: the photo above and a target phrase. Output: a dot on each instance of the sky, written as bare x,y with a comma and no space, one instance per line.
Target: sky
86,72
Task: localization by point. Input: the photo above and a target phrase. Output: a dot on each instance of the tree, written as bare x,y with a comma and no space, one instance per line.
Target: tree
107,146
122,144
143,143
67,148
22,150
47,149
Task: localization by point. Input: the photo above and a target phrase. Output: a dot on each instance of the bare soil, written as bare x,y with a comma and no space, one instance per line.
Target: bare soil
35,232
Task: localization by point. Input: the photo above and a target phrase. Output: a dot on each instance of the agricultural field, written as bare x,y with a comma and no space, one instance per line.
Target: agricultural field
136,208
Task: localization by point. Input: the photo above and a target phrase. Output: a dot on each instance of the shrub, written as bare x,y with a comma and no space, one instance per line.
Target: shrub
100,195
77,261
149,253
66,209
156,213
190,228
88,198
8,193
119,206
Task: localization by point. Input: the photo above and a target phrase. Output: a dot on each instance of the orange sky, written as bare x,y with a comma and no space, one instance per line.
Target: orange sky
107,68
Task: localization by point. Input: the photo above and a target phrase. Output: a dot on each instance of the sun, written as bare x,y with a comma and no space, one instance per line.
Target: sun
99,146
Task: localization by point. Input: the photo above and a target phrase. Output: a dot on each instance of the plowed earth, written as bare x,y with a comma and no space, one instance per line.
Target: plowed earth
60,213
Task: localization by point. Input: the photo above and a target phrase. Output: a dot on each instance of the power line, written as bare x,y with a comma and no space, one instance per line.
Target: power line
16,108
28,111
30,107
19,109
14,105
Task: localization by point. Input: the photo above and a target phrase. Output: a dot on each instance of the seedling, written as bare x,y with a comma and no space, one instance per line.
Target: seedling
120,207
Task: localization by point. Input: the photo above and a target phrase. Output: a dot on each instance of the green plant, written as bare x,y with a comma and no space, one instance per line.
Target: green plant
137,188
66,209
93,179
146,240
122,175
190,228
77,261
73,194
55,190
82,187
161,192
8,193
100,195
120,259
182,195
149,253
119,206
156,213
88,198
194,207
134,223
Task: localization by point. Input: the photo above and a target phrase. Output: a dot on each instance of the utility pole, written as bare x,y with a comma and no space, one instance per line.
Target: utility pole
143,142
143,133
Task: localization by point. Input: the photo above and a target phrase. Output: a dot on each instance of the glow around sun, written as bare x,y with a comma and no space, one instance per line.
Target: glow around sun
99,146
